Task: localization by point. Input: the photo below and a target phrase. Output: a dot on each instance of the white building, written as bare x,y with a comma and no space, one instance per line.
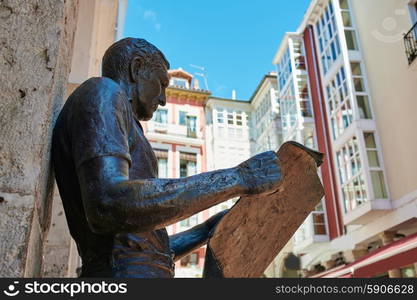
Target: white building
227,136
266,129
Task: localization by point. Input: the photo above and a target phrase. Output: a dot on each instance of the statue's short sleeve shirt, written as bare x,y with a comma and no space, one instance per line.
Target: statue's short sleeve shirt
96,121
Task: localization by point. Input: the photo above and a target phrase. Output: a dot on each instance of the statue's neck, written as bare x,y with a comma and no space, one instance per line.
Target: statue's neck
128,88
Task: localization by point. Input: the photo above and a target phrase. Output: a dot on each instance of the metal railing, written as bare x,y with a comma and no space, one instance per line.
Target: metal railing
410,41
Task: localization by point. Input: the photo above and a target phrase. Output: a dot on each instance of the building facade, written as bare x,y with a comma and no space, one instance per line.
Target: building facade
360,73
294,98
266,128
228,123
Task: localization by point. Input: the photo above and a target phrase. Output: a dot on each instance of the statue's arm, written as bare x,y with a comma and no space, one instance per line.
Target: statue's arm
187,241
115,204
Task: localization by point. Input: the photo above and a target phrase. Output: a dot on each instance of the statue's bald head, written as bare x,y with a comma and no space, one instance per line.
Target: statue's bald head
118,57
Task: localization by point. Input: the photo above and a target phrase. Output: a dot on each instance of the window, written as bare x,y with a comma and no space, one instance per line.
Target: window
191,221
363,106
180,82
161,116
351,42
231,123
284,69
351,175
378,184
377,175
371,150
358,83
299,57
248,120
328,39
194,259
350,33
239,118
162,168
319,223
304,96
191,126
220,116
356,69
182,118
362,98
162,157
347,21
288,108
344,4
408,271
357,77
188,164
229,117
341,115
190,260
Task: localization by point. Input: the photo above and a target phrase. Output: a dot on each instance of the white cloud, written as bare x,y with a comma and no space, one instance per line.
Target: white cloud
151,16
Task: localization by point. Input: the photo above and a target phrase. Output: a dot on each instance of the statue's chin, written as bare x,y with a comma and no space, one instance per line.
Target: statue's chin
144,118
141,116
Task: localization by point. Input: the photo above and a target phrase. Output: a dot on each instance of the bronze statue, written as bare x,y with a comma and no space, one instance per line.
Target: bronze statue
116,207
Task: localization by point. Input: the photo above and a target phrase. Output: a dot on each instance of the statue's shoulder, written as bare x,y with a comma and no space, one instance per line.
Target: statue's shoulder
101,85
97,90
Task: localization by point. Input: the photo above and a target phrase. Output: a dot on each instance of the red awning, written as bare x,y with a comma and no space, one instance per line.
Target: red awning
392,256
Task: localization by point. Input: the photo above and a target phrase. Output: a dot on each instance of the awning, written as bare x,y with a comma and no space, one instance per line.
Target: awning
392,256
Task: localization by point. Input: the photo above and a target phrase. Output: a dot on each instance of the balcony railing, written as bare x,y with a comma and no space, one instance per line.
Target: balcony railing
410,41
173,129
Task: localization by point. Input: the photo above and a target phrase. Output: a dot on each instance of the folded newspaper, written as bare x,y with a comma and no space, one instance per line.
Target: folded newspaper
257,227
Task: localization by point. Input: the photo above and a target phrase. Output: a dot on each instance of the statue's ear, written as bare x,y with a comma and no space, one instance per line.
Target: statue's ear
134,69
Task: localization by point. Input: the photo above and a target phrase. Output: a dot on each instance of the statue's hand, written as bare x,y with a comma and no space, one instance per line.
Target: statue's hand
260,173
212,222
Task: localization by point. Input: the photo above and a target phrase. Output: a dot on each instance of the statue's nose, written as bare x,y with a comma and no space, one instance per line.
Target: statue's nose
162,100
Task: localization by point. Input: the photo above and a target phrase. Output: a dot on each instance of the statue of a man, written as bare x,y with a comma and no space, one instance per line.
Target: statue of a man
116,207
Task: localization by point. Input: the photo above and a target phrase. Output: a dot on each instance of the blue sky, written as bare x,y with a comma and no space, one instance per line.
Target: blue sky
234,40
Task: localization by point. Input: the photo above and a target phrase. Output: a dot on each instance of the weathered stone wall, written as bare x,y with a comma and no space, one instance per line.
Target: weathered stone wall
95,32
60,252
36,38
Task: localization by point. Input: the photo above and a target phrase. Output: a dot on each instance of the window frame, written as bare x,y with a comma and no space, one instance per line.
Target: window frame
155,116
378,168
328,38
349,180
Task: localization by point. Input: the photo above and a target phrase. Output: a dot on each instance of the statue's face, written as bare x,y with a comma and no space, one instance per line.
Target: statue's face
150,92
